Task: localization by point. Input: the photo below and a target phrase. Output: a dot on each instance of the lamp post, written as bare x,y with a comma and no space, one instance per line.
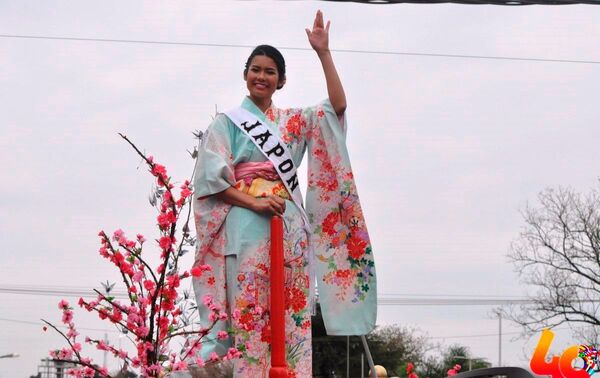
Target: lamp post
10,355
469,359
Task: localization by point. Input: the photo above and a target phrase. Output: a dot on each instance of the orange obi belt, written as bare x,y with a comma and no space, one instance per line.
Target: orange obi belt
259,179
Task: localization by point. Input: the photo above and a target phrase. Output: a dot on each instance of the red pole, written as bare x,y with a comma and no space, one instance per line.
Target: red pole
278,362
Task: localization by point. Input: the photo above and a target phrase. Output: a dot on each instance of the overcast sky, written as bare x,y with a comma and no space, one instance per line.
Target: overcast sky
445,150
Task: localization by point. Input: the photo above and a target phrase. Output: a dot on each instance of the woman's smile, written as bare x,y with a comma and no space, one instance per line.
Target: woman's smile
262,79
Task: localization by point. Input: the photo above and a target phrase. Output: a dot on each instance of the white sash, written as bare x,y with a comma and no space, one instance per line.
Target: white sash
274,150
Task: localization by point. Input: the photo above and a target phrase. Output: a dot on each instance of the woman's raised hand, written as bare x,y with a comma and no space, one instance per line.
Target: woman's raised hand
272,205
318,37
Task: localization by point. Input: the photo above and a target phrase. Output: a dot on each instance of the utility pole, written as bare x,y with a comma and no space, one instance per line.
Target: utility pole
499,338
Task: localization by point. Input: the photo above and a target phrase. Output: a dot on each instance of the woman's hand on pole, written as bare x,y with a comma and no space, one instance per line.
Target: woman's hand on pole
318,38
272,205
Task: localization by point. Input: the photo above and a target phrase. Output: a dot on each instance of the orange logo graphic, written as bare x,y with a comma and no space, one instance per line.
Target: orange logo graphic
559,367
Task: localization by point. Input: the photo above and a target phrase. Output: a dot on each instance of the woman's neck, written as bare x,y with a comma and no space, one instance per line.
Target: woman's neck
262,103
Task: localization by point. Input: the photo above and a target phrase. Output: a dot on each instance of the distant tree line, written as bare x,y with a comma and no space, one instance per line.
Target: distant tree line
392,346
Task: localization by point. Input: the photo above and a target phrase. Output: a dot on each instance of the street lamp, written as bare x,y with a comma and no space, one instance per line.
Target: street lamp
469,359
10,355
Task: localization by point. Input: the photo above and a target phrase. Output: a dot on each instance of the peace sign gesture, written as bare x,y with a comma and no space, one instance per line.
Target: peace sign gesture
319,36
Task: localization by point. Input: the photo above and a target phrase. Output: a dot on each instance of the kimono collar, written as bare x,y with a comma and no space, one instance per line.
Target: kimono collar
250,106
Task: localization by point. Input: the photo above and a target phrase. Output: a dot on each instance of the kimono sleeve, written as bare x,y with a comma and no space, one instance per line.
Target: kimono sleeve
214,171
345,267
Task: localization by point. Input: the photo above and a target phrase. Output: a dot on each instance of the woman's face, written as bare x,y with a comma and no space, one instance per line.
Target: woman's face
262,78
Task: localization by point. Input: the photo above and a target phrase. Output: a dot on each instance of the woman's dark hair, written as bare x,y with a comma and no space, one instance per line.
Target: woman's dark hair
272,53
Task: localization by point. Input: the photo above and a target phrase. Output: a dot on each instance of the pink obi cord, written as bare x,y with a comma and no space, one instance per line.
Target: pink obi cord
251,170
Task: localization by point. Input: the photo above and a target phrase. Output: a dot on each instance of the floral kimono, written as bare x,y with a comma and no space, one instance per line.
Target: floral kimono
235,241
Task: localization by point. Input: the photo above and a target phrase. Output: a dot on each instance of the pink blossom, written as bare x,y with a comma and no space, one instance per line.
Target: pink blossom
77,347
140,238
88,372
137,277
233,353
222,335
67,316
144,301
185,192
214,357
63,305
165,242
102,345
165,220
72,333
199,361
104,252
179,366
142,331
196,271
65,354
158,169
118,235
149,285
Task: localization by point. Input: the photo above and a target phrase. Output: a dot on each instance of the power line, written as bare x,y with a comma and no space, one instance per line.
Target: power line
29,322
385,300
352,51
40,324
447,295
57,292
450,302
382,300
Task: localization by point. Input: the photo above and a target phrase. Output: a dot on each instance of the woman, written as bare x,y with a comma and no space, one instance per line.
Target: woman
237,190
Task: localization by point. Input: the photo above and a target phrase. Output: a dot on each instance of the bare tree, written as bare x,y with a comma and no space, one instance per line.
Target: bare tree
558,255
